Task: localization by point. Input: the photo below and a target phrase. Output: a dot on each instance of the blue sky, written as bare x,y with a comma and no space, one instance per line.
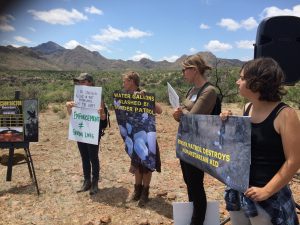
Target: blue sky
135,29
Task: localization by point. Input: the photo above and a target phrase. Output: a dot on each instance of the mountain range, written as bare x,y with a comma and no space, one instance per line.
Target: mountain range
51,56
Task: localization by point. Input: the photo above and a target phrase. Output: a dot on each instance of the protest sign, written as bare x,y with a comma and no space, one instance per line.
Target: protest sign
173,97
136,119
85,120
87,97
19,120
222,149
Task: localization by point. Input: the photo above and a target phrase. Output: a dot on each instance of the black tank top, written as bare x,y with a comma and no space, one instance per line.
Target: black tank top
267,154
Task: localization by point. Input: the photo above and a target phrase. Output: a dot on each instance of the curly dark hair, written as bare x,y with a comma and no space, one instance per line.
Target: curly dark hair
265,76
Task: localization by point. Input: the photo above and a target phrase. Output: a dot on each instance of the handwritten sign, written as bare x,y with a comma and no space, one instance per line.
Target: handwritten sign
84,125
87,97
85,120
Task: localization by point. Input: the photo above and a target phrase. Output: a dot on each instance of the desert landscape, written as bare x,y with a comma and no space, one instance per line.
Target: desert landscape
59,174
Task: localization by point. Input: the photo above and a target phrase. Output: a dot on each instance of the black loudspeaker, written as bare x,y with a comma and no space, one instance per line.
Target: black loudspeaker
279,38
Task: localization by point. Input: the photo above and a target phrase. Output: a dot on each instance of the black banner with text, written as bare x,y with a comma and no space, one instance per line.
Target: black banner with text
136,119
222,149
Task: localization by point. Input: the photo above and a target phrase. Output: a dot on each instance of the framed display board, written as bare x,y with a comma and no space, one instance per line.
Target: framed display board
19,120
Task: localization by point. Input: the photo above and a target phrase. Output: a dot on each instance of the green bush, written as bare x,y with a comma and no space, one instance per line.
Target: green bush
57,86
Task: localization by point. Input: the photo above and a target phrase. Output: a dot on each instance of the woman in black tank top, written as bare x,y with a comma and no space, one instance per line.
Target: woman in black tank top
275,152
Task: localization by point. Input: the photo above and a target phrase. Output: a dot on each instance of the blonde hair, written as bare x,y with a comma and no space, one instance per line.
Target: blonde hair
131,75
196,61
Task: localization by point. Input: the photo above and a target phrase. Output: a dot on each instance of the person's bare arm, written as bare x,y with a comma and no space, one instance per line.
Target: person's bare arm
287,125
158,108
69,106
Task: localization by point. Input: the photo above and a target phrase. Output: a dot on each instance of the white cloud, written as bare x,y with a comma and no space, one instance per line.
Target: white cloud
16,46
58,16
249,23
216,46
71,44
229,24
93,10
245,44
4,23
233,25
204,26
113,34
172,58
92,47
274,11
193,50
22,39
140,55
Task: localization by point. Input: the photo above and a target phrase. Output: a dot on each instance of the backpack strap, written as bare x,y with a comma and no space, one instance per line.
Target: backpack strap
200,90
247,109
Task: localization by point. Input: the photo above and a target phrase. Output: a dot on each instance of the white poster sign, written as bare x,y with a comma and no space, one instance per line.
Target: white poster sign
84,125
182,213
87,97
173,97
85,120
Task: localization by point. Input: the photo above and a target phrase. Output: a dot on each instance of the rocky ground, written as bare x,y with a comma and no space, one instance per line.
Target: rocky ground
58,170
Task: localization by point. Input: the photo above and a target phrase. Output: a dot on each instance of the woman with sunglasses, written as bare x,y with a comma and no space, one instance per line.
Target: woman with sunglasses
200,99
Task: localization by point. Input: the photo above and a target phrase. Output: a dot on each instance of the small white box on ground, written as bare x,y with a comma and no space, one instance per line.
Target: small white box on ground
182,213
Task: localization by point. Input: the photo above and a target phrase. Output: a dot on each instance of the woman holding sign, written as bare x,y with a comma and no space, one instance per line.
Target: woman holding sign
89,152
275,152
200,99
131,83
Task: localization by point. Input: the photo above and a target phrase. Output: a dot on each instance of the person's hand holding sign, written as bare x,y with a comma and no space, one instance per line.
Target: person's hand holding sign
224,115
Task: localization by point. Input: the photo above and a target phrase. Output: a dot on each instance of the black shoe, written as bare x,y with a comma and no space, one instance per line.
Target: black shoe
94,188
86,186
